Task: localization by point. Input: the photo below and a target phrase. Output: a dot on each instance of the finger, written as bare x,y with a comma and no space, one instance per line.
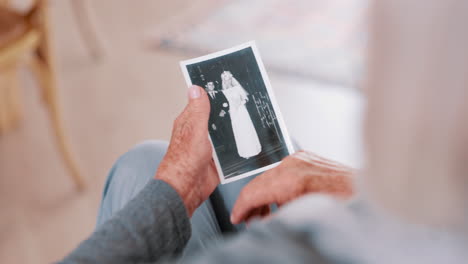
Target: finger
254,195
262,212
192,123
266,210
198,107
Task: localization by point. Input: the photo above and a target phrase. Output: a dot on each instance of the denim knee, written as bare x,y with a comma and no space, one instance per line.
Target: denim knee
137,165
129,175
143,159
148,149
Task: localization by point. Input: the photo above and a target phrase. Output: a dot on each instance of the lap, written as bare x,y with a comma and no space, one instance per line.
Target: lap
131,173
134,169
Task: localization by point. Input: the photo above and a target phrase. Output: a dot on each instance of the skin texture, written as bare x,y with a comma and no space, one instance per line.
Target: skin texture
189,168
297,175
188,165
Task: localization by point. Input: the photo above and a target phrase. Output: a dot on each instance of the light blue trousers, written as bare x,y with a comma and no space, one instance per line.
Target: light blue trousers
135,168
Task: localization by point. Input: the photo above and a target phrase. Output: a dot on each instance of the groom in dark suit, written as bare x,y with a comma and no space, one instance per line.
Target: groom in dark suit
219,123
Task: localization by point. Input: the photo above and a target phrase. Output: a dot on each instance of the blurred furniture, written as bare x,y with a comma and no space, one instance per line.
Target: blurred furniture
25,38
313,39
81,12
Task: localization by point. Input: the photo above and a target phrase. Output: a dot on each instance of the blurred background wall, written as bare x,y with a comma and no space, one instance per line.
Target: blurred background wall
119,83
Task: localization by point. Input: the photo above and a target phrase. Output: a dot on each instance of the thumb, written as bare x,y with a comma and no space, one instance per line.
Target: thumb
199,104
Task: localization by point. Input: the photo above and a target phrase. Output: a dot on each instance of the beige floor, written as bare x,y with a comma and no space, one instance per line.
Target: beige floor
129,96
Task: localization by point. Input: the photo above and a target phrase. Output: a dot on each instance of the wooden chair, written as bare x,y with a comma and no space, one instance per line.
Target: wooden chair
85,27
22,35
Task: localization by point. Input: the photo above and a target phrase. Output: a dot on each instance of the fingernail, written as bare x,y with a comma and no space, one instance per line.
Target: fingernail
194,91
232,219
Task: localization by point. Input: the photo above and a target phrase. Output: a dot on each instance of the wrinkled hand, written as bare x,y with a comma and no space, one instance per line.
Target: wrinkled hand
298,174
188,165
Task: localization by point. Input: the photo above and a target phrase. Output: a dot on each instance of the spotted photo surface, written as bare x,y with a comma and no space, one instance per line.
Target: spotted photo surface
245,126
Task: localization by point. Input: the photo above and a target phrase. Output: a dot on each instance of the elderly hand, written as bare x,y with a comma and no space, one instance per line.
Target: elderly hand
188,165
298,174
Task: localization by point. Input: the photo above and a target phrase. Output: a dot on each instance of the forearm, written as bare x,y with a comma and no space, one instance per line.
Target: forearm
153,225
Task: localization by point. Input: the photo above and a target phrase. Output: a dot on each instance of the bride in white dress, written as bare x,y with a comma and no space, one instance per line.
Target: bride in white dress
246,137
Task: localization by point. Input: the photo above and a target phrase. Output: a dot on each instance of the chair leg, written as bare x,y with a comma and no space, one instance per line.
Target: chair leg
4,111
85,27
46,77
10,108
14,95
43,65
4,2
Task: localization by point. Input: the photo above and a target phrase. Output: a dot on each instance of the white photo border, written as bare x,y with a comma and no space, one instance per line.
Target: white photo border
266,80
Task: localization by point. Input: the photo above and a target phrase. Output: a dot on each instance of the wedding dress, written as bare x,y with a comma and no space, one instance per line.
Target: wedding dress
245,135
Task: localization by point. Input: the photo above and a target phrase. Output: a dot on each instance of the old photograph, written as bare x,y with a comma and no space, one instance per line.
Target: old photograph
246,129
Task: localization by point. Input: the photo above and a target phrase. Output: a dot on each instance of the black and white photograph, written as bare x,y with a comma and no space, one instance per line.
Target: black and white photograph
246,128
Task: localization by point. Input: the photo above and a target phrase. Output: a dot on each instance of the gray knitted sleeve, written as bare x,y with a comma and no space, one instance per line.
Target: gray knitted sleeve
153,225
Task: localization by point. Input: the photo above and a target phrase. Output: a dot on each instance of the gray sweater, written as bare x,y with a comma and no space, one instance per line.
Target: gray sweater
154,227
